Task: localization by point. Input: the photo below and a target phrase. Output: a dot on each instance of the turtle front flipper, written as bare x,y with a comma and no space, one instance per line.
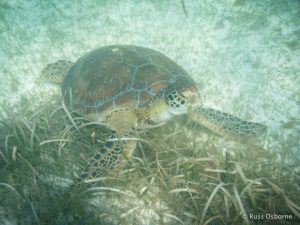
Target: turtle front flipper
225,124
110,159
55,72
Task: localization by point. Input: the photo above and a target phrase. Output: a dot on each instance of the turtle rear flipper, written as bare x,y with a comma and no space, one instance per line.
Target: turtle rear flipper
55,72
225,124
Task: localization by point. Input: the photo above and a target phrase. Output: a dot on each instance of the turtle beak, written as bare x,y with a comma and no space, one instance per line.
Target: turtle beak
195,99
192,95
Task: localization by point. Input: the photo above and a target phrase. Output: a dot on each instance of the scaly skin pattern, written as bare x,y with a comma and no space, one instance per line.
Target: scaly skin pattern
225,124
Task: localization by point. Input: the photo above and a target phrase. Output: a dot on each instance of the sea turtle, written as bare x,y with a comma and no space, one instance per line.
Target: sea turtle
129,87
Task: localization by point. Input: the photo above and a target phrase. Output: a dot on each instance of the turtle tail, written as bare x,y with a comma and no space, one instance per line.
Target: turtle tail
227,125
55,72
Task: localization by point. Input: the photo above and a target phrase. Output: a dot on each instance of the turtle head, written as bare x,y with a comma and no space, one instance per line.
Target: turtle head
172,102
180,101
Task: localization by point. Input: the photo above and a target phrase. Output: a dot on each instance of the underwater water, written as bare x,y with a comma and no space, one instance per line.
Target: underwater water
243,55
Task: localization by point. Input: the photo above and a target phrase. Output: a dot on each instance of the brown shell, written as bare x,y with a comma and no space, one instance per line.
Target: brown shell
120,76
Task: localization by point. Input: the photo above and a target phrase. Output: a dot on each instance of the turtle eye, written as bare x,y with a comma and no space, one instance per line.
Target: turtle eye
186,94
190,96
